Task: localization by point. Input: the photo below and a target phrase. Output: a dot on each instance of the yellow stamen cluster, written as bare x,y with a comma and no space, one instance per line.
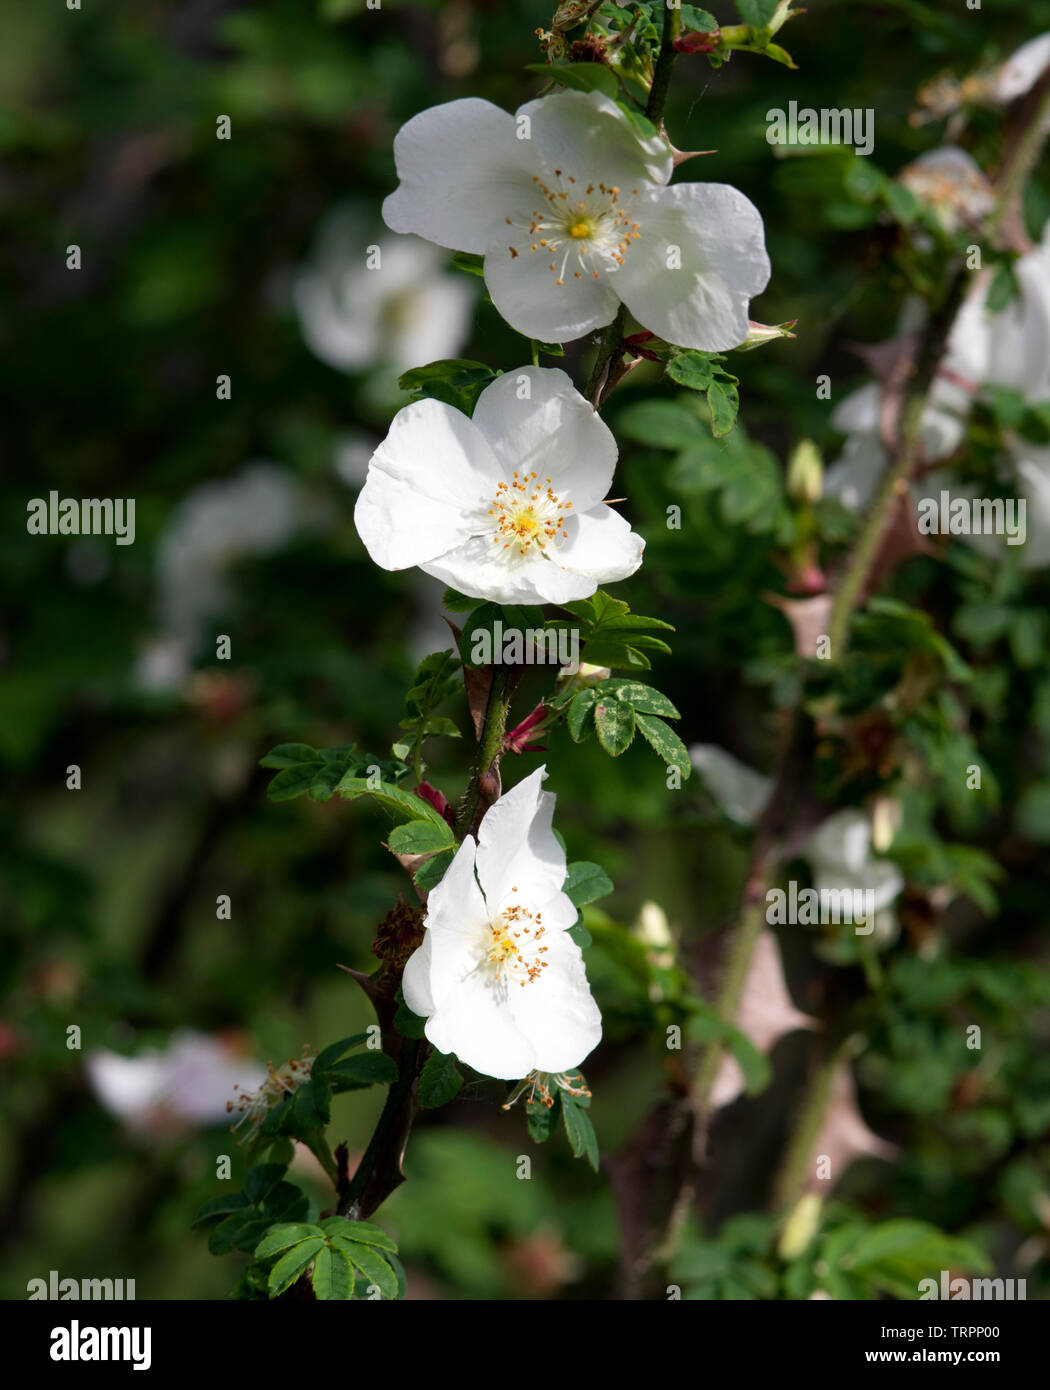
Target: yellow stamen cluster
595,227
527,512
281,1081
515,944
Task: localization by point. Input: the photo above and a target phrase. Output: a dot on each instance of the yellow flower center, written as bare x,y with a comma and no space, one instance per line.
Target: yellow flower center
585,229
527,513
514,949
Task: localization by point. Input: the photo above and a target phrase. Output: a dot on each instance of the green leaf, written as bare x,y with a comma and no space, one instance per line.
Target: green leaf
333,1275
261,1180
693,369
404,805
445,369
223,1205
757,13
420,837
580,77
281,1237
294,781
580,935
292,1264
456,381
456,602
643,699
439,1081
334,1051
614,722
408,1024
288,754
579,716
361,1232
724,403
542,1119
372,1266
433,870
365,1069
585,883
470,262
580,1131
697,21
664,742
221,1240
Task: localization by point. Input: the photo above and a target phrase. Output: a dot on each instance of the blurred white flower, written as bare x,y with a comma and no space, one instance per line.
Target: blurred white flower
364,301
839,853
507,505
190,1083
254,512
1009,349
952,183
576,215
740,791
1021,71
498,978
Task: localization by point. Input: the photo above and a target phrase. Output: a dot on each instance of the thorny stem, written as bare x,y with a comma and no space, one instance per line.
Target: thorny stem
795,1167
1020,160
1031,126
490,747
601,379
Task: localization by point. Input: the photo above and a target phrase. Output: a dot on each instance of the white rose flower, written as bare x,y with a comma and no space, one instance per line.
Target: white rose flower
570,207
739,790
1010,348
1021,71
498,978
839,854
507,505
402,310
191,1082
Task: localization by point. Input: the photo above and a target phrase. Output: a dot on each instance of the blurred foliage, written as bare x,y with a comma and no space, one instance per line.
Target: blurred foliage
108,899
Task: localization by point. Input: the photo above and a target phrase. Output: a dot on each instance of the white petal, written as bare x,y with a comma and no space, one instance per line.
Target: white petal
855,476
427,484
1021,71
481,569
415,982
717,236
554,431
526,292
841,843
1033,476
557,1012
459,164
456,925
517,847
858,413
477,1026
740,791
587,136
601,545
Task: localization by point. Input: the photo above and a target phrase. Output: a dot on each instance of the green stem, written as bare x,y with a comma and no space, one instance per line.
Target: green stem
654,107
794,1171
1020,161
490,746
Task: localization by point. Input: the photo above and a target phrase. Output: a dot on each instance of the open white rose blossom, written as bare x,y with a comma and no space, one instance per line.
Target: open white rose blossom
568,202
498,978
507,505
